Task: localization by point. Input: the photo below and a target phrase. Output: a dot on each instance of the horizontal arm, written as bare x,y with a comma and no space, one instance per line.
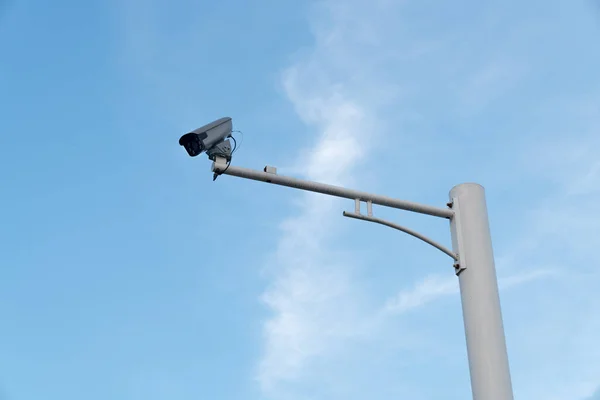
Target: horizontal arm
220,167
403,229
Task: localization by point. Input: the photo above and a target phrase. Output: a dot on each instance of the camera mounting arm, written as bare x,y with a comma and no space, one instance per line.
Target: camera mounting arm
269,175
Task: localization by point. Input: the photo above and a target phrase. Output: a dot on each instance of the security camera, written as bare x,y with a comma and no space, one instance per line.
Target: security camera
211,138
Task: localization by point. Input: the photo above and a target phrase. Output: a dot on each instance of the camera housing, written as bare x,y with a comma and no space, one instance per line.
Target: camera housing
210,138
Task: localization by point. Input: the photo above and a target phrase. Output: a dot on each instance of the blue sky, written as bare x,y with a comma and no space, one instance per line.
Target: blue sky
129,274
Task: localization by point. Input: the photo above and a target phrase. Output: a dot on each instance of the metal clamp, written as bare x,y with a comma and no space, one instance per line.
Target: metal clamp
457,245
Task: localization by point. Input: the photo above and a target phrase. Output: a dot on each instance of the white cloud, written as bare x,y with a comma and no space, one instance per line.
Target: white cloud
309,287
426,291
517,279
314,300
434,287
557,355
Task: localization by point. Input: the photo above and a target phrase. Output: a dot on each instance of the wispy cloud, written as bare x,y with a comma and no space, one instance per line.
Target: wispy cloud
434,287
312,296
563,230
429,289
309,289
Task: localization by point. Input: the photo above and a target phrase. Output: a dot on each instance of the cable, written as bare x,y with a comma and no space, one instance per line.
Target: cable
241,133
235,146
232,151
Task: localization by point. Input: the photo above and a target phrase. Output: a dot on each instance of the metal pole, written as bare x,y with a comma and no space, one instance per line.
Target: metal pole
484,330
221,167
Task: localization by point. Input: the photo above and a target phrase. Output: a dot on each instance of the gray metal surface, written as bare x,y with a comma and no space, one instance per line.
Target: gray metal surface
484,330
221,167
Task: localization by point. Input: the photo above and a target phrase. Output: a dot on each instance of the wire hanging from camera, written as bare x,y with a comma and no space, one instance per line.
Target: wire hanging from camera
241,133
235,147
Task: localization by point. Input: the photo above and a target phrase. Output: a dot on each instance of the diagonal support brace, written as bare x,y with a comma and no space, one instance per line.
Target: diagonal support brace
409,231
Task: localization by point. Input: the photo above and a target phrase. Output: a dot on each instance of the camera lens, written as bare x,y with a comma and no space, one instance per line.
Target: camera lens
192,144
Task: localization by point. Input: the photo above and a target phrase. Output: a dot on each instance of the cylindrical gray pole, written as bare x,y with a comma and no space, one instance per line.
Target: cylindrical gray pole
484,330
